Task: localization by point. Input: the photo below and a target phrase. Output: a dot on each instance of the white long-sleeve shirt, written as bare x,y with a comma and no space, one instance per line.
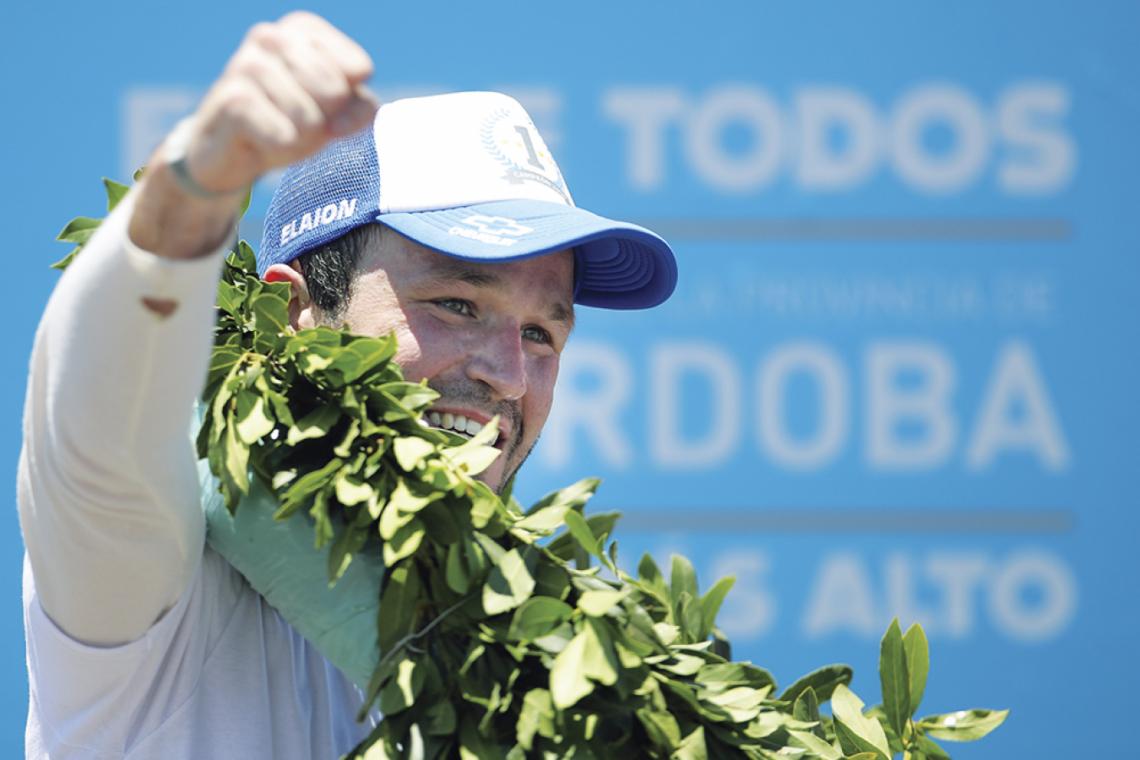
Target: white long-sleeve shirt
141,641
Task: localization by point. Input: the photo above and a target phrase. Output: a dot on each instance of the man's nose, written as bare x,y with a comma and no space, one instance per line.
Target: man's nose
500,362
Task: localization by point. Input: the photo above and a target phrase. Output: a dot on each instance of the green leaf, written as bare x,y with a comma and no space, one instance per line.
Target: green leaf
350,541
822,680
476,455
930,749
404,541
255,423
661,726
509,584
350,490
402,689
115,193
398,601
303,488
724,675
568,682
917,663
537,617
236,462
741,703
455,572
711,602
683,578
894,679
693,746
544,521
581,532
67,260
315,424
79,230
598,602
856,732
964,725
806,706
854,744
813,743
411,452
536,717
573,496
599,660
441,719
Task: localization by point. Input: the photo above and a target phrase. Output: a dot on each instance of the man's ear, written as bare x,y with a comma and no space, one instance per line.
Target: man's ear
300,304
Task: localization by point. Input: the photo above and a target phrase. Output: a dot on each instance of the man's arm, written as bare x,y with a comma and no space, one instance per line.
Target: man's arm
107,486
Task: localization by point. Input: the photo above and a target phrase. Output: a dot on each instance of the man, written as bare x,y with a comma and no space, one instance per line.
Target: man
144,643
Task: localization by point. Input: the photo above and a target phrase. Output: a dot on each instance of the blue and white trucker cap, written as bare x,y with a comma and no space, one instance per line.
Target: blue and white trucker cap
468,175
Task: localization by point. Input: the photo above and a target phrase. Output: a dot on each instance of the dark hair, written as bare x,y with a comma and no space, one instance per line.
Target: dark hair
331,269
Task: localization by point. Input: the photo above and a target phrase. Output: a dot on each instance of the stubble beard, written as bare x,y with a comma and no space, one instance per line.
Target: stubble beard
478,395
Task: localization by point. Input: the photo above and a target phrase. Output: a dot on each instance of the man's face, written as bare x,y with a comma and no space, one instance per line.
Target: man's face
487,337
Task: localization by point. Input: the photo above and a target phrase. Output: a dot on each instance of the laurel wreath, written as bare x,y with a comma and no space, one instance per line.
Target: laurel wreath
507,632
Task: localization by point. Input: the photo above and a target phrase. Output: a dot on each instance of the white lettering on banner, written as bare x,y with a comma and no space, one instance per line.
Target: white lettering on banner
1016,386
889,406
736,172
1021,135
596,413
826,369
1038,572
1040,159
842,599
822,110
910,426
645,111
1029,595
959,576
947,172
668,364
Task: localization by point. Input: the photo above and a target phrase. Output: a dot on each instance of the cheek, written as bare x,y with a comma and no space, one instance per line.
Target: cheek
424,348
540,392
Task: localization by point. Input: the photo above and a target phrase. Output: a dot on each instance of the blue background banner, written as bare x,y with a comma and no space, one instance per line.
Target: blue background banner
897,376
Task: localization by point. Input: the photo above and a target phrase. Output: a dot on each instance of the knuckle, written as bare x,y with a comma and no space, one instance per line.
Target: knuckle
234,97
335,91
299,20
264,34
248,64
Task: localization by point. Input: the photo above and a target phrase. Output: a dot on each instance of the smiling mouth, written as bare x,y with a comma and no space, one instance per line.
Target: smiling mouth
457,423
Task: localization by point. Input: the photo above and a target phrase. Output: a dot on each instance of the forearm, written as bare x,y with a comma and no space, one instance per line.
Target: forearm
108,491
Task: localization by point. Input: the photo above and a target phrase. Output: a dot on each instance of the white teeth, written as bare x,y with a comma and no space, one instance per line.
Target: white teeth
457,422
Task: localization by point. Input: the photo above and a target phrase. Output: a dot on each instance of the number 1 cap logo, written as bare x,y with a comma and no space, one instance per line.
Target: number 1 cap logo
464,174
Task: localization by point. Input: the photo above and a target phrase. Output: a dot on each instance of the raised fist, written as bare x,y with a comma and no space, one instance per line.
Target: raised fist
292,86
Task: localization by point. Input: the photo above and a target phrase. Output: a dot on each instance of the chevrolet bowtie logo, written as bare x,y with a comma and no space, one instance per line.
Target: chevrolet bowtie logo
496,225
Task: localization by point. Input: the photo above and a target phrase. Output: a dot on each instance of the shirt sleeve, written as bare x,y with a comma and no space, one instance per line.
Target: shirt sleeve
107,484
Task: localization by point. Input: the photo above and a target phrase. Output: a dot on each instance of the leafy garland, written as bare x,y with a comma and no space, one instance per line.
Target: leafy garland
500,636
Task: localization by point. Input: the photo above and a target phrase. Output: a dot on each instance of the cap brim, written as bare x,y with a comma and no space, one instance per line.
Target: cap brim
619,265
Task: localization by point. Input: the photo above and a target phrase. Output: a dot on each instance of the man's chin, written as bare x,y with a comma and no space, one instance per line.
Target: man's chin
501,471
494,476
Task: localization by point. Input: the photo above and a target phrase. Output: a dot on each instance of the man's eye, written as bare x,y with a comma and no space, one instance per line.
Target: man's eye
536,334
455,305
